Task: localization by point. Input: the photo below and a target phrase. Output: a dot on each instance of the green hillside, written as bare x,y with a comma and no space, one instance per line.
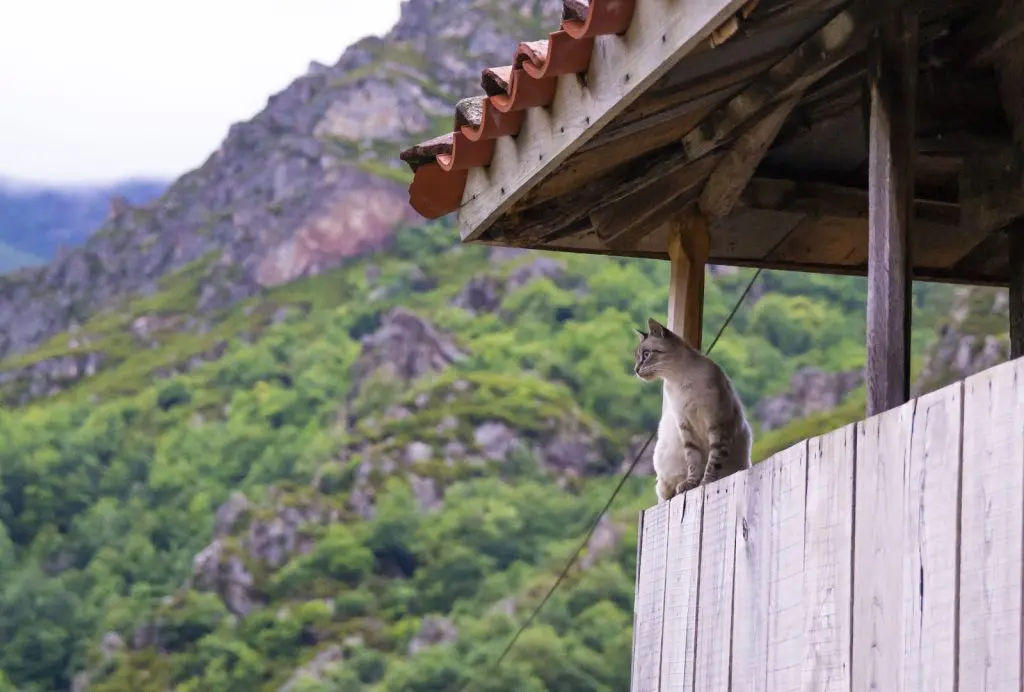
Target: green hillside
408,495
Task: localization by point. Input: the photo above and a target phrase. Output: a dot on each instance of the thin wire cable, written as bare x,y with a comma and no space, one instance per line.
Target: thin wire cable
600,515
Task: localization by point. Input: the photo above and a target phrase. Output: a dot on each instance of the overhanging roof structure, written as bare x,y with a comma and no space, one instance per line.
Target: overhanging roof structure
755,113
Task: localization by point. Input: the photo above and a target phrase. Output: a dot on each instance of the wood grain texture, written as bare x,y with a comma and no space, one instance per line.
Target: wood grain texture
828,562
883,451
621,69
688,250
786,624
715,594
893,83
750,590
821,53
649,603
992,521
725,185
678,654
931,543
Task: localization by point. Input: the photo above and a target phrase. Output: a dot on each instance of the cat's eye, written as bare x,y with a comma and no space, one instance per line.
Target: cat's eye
645,354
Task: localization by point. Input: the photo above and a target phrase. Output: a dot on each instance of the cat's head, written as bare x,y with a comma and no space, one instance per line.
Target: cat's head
654,351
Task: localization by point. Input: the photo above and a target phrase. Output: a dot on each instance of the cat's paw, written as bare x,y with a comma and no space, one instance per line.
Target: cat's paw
688,484
666,491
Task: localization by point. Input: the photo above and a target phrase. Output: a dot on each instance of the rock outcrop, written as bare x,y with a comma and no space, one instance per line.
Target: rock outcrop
312,180
245,539
404,348
975,337
811,391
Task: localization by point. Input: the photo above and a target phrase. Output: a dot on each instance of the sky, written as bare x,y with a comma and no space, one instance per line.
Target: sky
101,90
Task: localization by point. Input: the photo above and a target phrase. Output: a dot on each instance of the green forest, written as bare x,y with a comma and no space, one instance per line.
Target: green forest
295,463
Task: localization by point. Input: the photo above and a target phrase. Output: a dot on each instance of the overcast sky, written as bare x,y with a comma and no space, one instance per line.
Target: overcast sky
96,90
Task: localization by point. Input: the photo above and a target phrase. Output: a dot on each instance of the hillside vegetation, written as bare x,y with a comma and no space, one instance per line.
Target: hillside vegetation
374,479
270,432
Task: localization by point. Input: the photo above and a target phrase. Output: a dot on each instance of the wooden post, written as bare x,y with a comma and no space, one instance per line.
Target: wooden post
1016,239
893,82
688,249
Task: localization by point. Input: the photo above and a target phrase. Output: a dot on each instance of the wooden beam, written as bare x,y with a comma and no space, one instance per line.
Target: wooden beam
621,69
992,188
731,175
893,81
623,223
688,252
1016,241
821,53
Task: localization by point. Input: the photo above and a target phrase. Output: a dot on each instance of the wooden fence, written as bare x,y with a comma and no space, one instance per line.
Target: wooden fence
887,555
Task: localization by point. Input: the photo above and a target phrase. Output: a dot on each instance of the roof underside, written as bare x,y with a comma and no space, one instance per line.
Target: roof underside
795,69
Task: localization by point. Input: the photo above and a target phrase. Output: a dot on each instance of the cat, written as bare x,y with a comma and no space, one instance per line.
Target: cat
703,434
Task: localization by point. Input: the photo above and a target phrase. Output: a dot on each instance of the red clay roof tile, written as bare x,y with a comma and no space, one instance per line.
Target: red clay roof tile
441,165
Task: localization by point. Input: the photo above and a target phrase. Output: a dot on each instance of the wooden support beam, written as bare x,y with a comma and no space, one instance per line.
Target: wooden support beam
622,224
731,175
688,251
892,78
1016,241
992,188
825,50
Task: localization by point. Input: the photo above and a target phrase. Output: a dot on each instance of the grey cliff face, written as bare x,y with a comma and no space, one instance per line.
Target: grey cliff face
311,180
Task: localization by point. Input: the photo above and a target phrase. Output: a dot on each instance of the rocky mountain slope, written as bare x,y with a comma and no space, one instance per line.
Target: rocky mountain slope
270,432
310,181
37,219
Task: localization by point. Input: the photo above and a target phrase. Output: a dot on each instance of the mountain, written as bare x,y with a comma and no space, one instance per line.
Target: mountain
37,219
269,431
310,181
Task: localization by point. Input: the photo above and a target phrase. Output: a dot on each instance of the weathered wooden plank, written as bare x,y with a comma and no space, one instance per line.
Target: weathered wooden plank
822,52
750,592
883,450
992,520
621,224
621,69
828,562
678,652
786,624
991,187
930,543
650,600
893,83
731,175
714,613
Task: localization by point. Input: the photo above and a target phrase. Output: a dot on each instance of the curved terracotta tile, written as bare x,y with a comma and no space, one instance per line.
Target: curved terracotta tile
493,123
435,192
603,17
425,152
525,92
496,80
575,9
466,153
561,54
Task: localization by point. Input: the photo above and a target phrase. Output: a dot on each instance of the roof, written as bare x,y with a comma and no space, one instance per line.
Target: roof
638,108
440,165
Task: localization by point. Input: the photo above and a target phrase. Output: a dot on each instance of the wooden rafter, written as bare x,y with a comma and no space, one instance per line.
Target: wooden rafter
825,50
731,175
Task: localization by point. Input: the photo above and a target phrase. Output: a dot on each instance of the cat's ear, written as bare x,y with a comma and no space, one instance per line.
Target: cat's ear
657,329
642,335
